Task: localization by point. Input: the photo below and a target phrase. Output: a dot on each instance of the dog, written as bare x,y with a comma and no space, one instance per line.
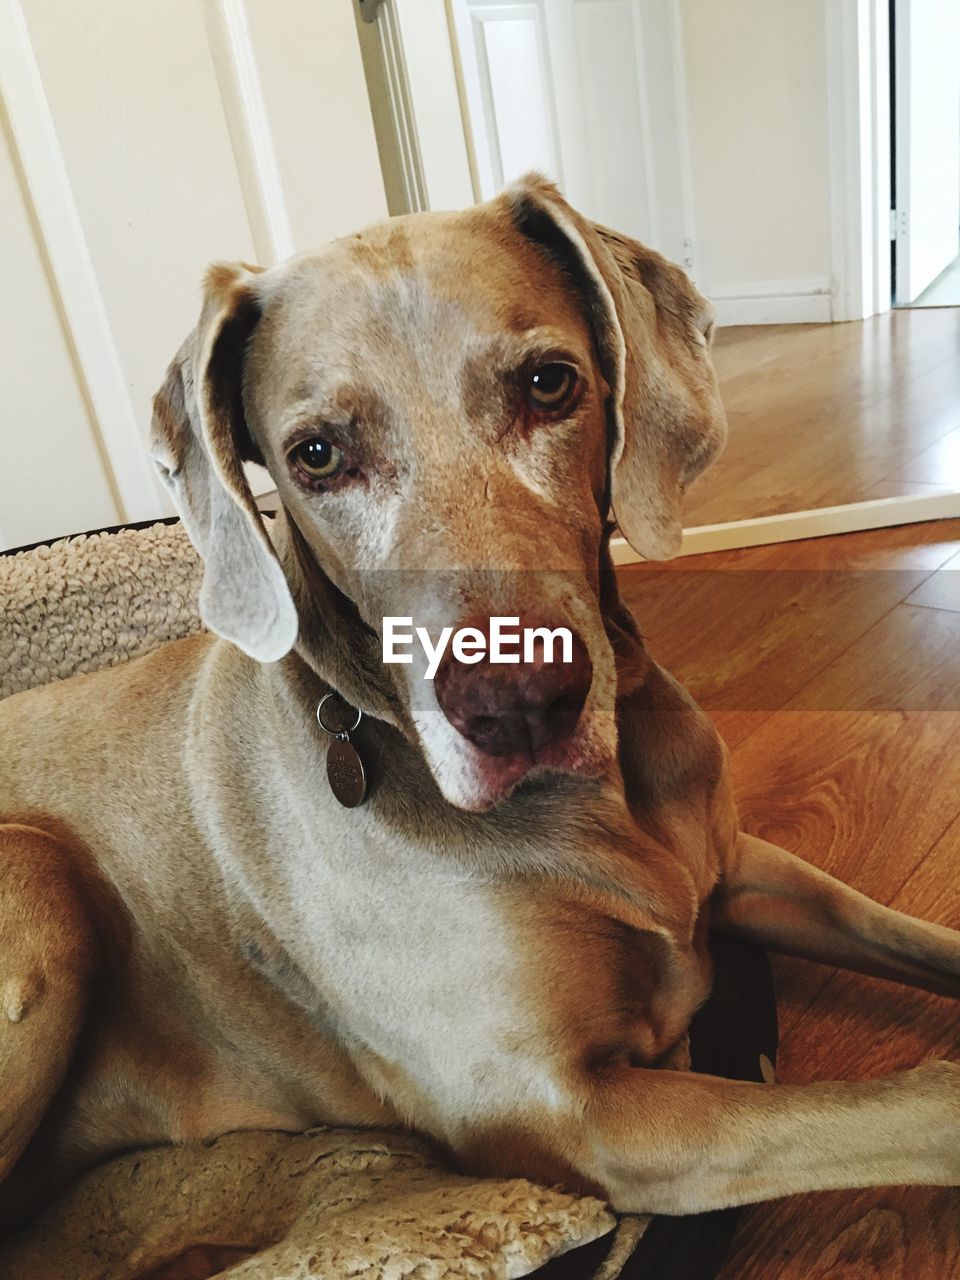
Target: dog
504,942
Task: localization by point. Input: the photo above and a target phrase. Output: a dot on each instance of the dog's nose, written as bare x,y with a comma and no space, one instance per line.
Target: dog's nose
516,709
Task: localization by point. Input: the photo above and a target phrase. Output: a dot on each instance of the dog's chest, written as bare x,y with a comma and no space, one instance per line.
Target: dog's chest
452,995
401,963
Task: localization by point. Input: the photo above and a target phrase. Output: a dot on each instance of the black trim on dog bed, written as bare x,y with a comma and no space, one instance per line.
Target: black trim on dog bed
90,533
270,510
736,1025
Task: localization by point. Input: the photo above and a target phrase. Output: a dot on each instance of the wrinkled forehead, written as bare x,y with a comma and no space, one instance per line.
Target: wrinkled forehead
408,299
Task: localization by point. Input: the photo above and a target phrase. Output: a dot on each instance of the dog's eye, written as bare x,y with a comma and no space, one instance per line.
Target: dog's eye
317,459
552,386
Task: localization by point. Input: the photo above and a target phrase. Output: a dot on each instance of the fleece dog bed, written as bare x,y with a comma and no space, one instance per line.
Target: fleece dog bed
329,1202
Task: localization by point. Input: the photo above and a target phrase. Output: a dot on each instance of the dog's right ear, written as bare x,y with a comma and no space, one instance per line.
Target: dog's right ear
199,441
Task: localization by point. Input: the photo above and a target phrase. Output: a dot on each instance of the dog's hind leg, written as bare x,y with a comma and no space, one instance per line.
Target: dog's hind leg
778,901
47,956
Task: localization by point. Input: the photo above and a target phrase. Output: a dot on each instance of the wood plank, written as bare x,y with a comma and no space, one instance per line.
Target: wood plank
941,590
908,661
856,769
849,778
939,464
821,413
861,795
908,488
859,1028
745,642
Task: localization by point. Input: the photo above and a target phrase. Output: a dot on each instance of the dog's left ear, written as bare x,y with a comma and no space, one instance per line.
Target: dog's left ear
200,441
652,330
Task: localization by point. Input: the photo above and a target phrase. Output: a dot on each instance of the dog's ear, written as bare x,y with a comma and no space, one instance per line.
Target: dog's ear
199,441
652,332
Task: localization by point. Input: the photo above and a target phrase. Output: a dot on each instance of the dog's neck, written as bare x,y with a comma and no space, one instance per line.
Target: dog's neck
334,643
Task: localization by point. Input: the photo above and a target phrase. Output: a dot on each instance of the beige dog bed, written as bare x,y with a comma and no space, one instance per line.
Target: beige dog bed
255,1206
328,1203
94,601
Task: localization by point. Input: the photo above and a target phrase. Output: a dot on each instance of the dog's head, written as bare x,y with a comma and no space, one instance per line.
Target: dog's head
450,405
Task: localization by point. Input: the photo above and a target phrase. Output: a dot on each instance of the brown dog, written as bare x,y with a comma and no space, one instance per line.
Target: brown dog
504,940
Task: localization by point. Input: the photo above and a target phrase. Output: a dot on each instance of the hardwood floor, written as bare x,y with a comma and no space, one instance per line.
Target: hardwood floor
832,668
834,413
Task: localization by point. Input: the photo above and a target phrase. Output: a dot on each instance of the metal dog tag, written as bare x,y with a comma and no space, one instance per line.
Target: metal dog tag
348,782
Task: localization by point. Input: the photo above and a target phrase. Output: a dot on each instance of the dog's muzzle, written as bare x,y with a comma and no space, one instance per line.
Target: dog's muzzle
519,709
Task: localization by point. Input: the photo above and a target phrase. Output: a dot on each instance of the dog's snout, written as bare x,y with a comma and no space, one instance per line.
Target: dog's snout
520,708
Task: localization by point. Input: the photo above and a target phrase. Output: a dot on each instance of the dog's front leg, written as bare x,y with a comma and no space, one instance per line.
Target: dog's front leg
668,1142
778,901
48,953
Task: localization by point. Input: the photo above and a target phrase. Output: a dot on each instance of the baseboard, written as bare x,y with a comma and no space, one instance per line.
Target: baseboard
821,522
806,301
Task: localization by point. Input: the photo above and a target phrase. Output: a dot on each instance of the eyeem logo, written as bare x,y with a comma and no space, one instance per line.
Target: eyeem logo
506,643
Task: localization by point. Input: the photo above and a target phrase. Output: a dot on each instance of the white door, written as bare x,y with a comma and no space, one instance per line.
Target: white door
589,92
146,140
927,140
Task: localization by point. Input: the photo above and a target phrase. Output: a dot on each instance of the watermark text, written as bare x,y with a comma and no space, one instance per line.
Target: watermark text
507,642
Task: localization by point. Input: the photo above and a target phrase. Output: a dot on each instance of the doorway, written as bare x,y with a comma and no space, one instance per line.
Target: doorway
925,152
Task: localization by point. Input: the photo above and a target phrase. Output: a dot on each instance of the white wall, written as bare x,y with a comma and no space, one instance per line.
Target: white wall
47,436
146,140
756,73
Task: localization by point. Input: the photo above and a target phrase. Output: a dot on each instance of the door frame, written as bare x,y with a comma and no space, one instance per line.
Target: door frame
907,232
423,114
859,120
